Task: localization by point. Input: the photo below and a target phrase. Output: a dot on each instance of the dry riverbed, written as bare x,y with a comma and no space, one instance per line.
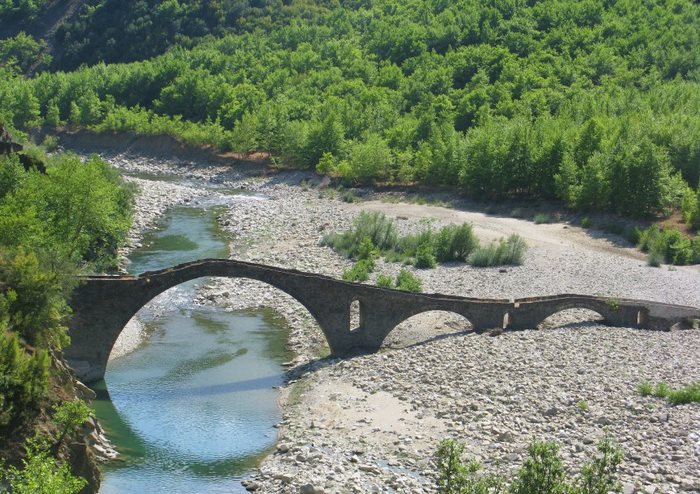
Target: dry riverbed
372,423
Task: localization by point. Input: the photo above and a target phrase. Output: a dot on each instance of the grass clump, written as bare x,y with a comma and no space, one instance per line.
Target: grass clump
680,396
542,473
504,252
586,222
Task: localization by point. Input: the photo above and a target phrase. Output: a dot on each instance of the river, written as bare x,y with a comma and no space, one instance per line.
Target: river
193,409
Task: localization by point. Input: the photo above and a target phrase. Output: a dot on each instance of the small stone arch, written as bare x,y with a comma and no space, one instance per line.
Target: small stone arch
573,317
425,326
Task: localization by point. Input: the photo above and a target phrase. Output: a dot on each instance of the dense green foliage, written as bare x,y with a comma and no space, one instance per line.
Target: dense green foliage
22,52
591,102
680,396
542,473
373,234
670,246
21,10
41,474
52,225
23,379
127,30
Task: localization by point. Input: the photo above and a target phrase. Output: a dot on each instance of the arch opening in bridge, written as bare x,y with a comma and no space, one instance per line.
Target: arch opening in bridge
425,326
229,294
356,314
571,318
643,318
507,320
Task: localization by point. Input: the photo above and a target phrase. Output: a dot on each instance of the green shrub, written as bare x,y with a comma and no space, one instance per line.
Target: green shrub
690,208
695,247
385,281
654,259
407,282
367,250
670,245
505,252
424,257
542,473
514,251
542,218
359,271
375,226
455,243
454,477
70,416
24,378
41,474
484,256
586,222
600,475
349,196
409,244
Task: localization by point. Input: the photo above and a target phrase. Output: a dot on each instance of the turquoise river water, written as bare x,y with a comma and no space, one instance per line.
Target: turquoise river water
193,409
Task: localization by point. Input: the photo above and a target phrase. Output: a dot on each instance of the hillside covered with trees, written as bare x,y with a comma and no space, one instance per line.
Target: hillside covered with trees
590,102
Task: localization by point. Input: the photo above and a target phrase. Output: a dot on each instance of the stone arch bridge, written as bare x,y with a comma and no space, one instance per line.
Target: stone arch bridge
103,305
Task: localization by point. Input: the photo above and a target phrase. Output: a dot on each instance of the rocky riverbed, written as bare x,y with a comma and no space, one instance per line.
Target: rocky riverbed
372,423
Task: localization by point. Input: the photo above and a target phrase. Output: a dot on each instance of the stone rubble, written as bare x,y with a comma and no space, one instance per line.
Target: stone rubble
372,423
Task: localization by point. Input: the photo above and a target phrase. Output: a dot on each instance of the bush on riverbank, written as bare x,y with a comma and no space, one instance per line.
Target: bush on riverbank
542,473
670,246
373,234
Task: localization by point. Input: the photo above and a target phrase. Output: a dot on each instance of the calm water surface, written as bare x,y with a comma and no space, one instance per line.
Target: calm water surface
192,410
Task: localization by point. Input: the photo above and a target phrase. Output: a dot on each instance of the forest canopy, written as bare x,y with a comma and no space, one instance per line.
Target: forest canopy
591,102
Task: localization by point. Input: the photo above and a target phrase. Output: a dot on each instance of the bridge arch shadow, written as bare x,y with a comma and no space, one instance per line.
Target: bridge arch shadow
426,326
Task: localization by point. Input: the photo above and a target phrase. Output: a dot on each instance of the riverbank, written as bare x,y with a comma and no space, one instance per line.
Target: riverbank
373,422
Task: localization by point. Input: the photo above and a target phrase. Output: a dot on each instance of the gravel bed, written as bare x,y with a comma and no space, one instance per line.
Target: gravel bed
372,423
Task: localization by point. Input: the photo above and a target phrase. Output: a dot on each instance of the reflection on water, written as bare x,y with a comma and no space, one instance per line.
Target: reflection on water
194,409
